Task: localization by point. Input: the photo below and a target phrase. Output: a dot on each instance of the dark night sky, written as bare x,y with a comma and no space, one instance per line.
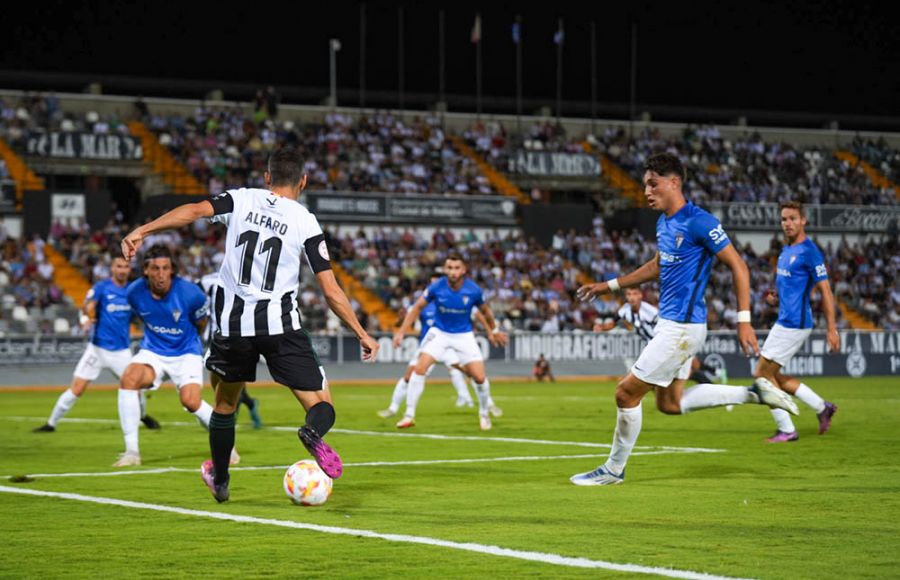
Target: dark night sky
802,55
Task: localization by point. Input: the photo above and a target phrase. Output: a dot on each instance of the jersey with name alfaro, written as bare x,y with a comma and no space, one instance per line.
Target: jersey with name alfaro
113,315
688,242
454,307
800,267
644,320
169,322
259,282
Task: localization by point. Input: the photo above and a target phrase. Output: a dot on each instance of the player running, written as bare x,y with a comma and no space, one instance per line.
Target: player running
174,311
210,285
801,269
268,232
107,314
455,296
688,239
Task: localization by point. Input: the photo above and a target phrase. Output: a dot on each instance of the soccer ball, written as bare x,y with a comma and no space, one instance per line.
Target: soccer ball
306,484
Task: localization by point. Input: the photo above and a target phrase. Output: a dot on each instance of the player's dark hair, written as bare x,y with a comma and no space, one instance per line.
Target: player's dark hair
285,167
116,252
665,164
160,251
456,257
792,205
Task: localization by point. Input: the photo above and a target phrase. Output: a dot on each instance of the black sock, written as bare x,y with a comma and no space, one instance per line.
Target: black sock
702,377
709,369
320,417
221,442
245,399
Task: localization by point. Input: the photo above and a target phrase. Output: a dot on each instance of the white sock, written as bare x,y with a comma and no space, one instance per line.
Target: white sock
64,403
414,392
130,417
783,420
203,414
143,403
707,395
628,427
809,396
399,395
459,383
483,392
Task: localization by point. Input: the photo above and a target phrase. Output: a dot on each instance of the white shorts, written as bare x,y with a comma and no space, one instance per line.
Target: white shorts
185,369
669,354
783,343
95,359
449,359
440,345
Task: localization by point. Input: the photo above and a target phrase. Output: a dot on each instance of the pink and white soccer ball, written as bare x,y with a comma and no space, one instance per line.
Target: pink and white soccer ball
306,484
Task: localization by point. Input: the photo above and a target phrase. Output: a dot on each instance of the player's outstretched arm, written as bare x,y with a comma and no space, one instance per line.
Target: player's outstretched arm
485,317
176,218
647,272
741,276
833,338
340,305
411,315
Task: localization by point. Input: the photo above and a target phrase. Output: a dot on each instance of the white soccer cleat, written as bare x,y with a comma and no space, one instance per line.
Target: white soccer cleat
769,394
495,411
386,413
600,476
485,422
235,458
406,423
128,459
462,402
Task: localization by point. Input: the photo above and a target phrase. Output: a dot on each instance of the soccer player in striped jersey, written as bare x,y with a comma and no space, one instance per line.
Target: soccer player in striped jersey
107,314
256,304
801,269
689,239
210,285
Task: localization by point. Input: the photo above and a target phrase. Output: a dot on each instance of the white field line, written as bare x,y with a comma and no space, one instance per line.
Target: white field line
417,436
359,464
542,557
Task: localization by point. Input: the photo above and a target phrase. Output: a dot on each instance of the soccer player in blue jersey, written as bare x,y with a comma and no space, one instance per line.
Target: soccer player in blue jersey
174,311
688,240
801,269
107,314
455,296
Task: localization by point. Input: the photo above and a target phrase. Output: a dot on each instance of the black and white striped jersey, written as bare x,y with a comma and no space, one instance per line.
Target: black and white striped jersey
643,321
259,281
210,285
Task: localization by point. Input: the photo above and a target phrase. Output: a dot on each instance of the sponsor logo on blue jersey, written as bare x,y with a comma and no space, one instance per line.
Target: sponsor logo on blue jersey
454,307
113,315
800,268
167,331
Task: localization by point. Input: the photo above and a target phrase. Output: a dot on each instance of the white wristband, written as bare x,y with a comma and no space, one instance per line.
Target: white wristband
83,319
613,285
743,316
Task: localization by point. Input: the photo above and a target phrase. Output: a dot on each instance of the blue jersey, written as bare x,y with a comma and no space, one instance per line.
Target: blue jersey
113,315
169,322
454,307
800,267
687,243
426,319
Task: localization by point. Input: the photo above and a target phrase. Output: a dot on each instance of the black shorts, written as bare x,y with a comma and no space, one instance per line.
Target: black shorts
290,357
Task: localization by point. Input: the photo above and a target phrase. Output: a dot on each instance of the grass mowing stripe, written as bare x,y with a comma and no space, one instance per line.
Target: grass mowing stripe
554,559
360,464
413,435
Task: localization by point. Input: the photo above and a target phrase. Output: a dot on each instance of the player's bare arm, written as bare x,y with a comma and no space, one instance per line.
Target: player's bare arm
179,217
88,314
604,326
340,305
411,315
746,336
485,316
648,271
833,338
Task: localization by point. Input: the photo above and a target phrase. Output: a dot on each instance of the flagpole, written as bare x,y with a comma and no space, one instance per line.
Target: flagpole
518,40
559,72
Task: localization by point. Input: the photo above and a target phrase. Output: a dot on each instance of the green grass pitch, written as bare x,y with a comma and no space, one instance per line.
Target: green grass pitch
823,507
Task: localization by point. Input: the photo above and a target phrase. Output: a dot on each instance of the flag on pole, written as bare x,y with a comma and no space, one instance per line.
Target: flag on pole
476,30
516,32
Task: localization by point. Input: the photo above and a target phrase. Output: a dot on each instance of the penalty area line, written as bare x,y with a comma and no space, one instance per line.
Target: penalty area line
542,557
